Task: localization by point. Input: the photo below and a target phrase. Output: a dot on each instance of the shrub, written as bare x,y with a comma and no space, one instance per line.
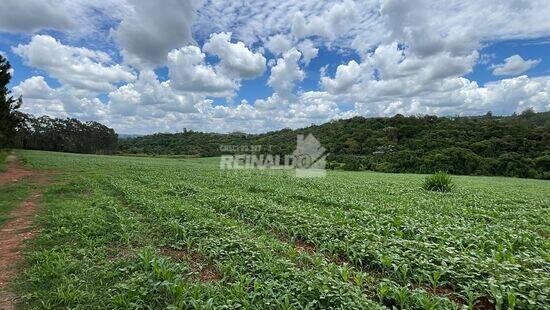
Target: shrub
439,182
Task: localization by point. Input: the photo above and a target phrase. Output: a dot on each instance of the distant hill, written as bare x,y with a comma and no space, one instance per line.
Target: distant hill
517,145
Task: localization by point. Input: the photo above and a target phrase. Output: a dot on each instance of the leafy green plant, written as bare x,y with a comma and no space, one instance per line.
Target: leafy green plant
433,278
512,299
439,182
402,295
383,291
471,297
428,302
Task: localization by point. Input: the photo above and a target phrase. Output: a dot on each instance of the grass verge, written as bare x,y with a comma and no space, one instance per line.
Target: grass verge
11,196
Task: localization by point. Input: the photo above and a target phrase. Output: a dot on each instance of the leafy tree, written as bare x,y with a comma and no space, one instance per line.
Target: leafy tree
9,118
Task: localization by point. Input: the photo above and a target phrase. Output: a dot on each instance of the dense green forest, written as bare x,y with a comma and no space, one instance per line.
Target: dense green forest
517,145
64,135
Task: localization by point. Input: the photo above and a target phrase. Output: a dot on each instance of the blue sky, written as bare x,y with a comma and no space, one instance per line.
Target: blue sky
262,65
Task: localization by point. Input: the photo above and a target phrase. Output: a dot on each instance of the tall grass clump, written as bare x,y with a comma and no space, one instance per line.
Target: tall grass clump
438,182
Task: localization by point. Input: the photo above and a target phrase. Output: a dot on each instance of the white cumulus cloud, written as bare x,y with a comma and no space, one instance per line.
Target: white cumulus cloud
332,23
514,65
236,59
189,72
286,73
79,68
308,50
278,44
346,76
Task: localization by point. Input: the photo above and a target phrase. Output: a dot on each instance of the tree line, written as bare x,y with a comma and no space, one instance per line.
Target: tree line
65,135
517,145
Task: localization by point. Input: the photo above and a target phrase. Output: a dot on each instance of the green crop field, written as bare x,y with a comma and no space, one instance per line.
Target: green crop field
123,232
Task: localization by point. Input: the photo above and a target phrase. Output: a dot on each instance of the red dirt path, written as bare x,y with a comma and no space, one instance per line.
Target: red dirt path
15,173
16,230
